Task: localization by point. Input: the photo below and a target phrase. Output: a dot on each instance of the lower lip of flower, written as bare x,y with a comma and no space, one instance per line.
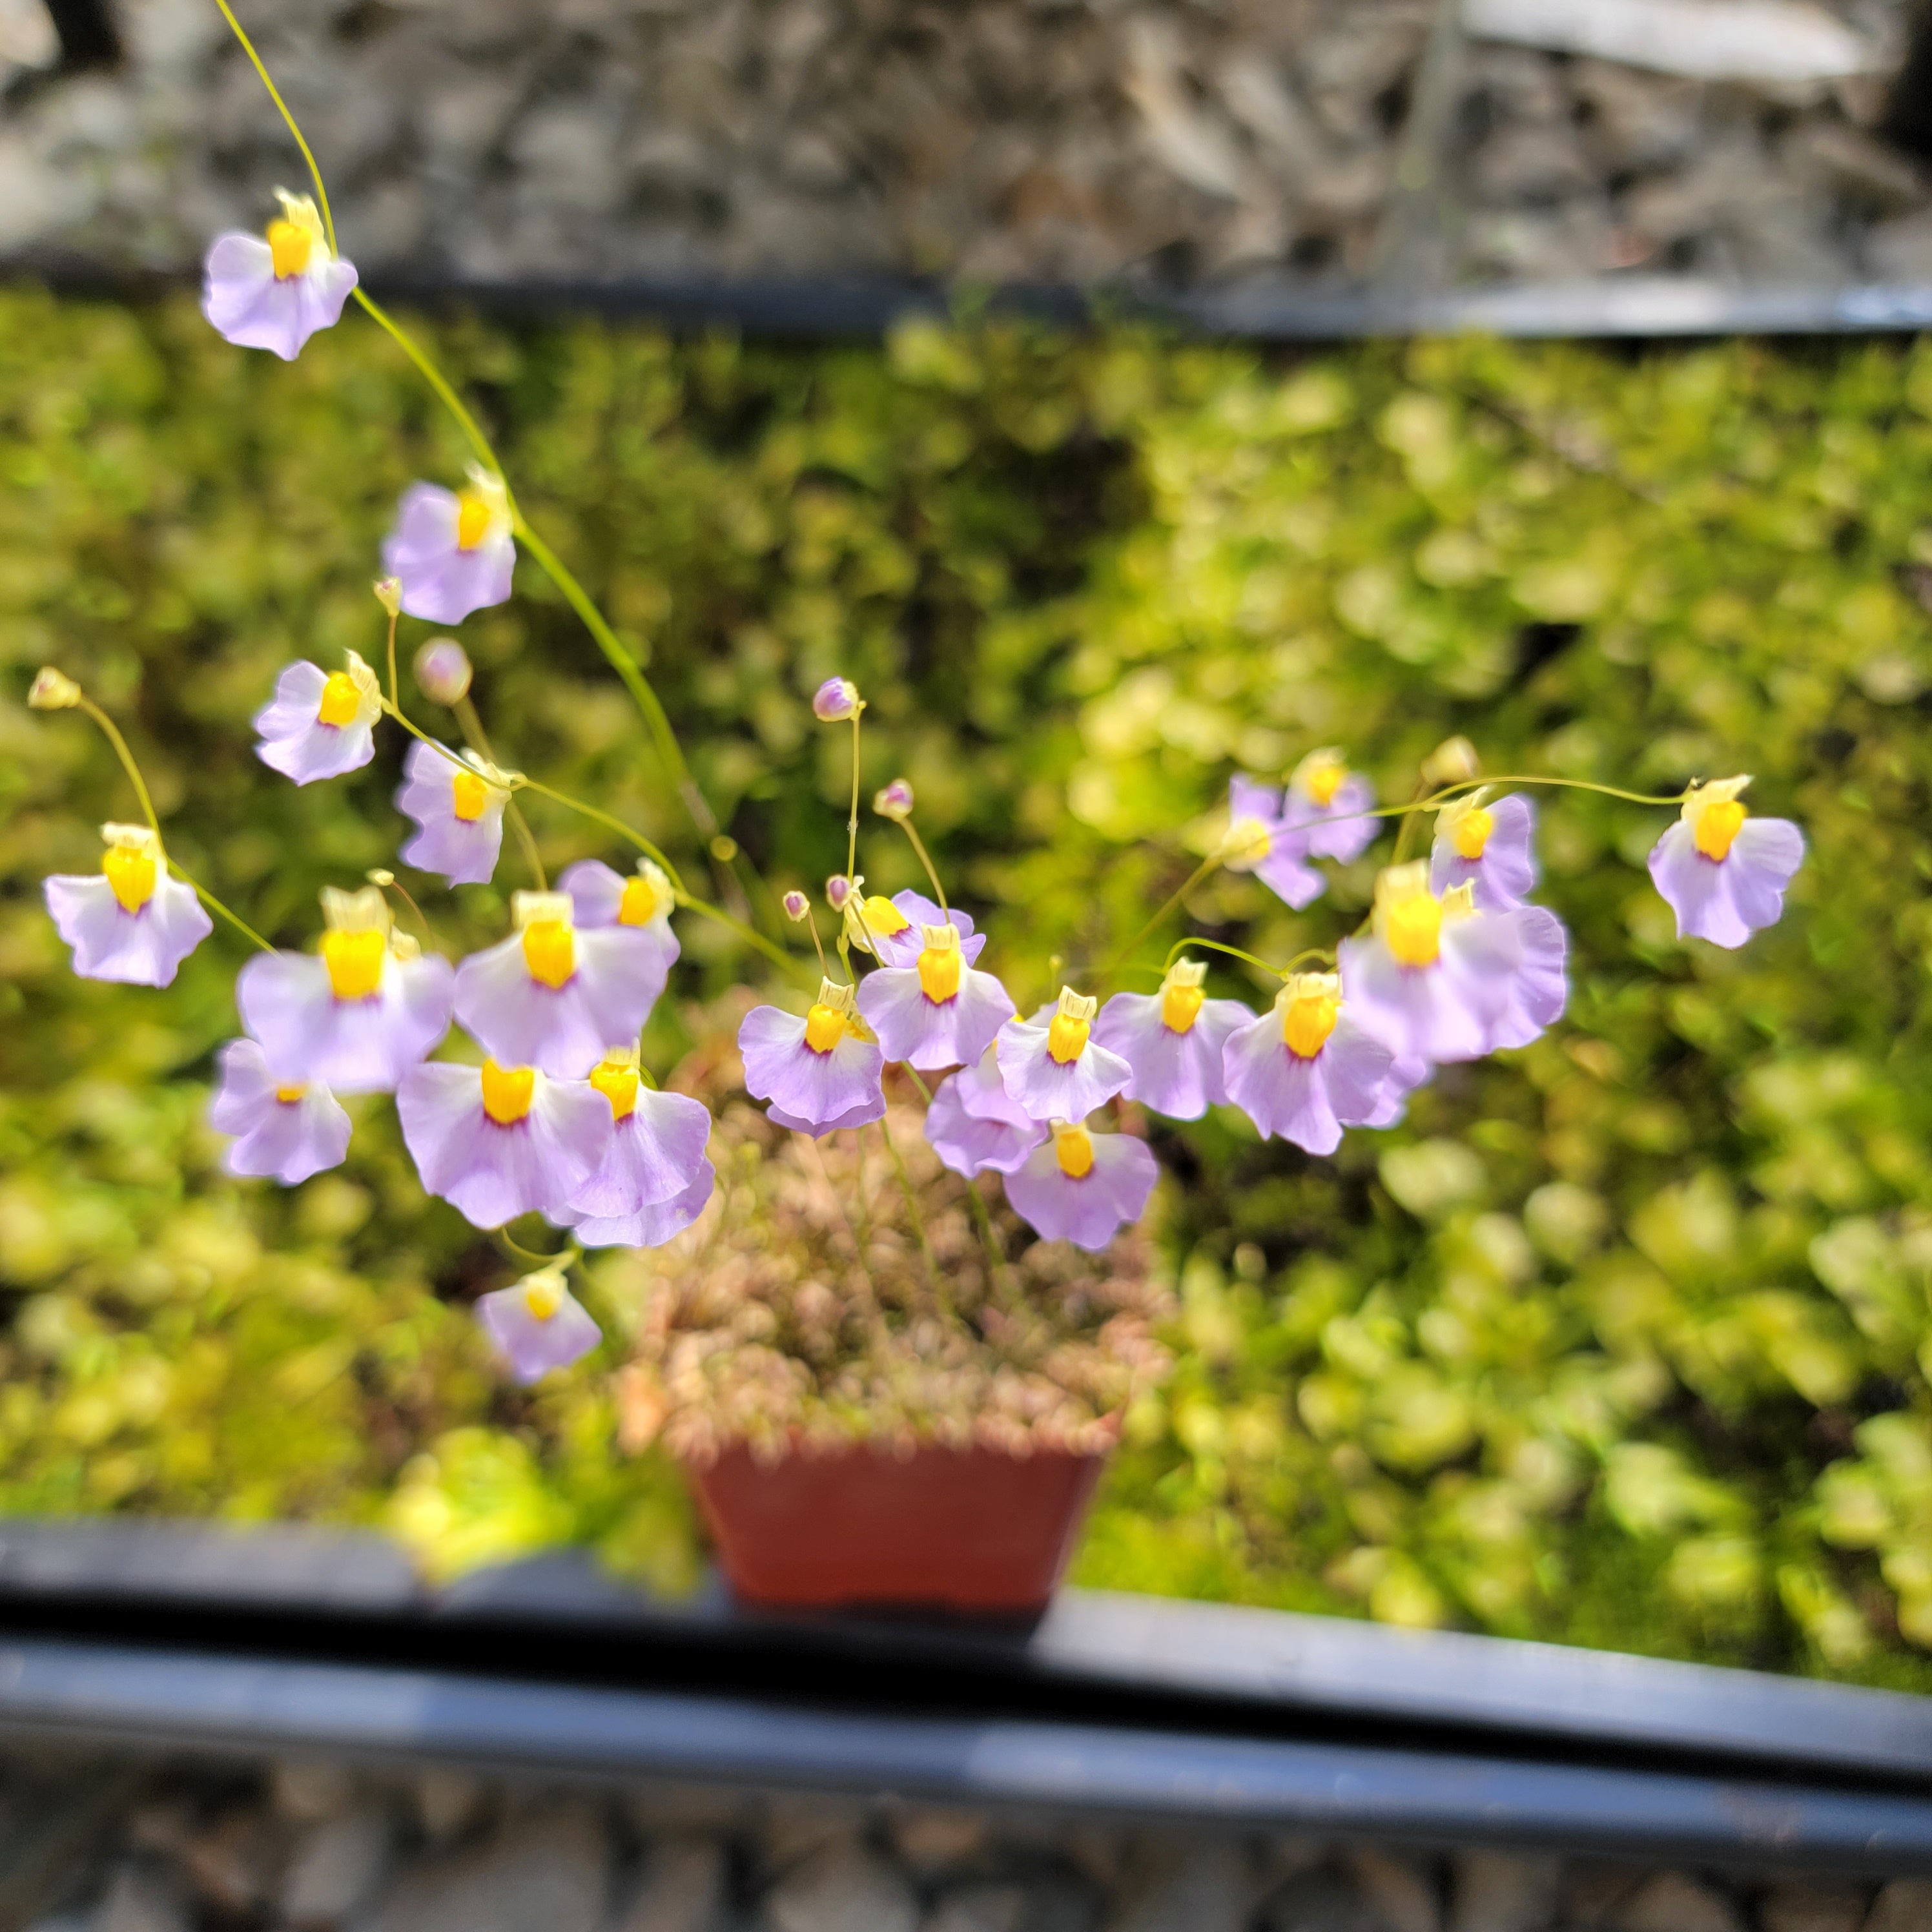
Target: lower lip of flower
507,1092
1180,1007
289,1096
1306,1024
468,796
354,963
550,951
824,1028
290,245
619,1085
340,700
639,904
1073,1148
1412,930
1471,837
1718,825
131,875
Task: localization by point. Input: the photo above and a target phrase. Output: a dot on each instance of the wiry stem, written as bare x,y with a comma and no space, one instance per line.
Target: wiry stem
925,859
314,173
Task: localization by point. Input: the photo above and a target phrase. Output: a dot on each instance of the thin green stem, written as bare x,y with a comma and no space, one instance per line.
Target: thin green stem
214,904
939,1290
1448,792
925,859
520,783
478,740
314,173
445,394
1002,1271
395,694
852,821
756,939
127,764
387,880
1200,871
565,1257
1180,946
818,944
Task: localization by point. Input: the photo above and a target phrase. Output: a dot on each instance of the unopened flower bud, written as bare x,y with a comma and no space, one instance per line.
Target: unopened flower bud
894,801
380,875
443,671
795,904
838,891
53,690
1452,762
389,594
836,700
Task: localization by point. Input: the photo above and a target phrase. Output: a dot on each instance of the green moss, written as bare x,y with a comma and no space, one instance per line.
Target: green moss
1566,1355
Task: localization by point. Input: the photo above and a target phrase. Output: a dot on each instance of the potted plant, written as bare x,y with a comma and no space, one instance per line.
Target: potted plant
897,1289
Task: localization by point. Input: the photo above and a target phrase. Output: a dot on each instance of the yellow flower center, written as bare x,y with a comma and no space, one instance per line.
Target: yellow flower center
1412,929
1718,825
340,700
618,1083
550,951
289,1096
1307,1019
882,917
1067,1038
1470,835
1322,779
468,795
131,874
472,518
507,1092
1247,844
639,905
824,1026
354,962
940,962
290,245
1181,1007
542,1297
1073,1148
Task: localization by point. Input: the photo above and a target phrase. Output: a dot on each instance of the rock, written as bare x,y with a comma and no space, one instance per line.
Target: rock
1204,1887
1671,1902
840,1889
27,37
1496,1892
335,1866
1405,1898
139,1899
549,1872
795,1828
1321,1902
229,1861
1901,251
1812,1905
683,1887
306,1791
1531,165
1904,1906
687,1809
929,1841
979,1908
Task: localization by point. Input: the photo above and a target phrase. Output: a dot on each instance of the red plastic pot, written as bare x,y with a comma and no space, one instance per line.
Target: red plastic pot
967,1530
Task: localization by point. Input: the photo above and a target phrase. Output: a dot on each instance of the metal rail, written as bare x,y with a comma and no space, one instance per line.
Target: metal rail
154,1636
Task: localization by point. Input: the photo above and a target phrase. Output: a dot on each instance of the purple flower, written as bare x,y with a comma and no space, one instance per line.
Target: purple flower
836,700
555,994
458,803
641,904
130,922
1722,871
1326,803
795,904
651,1226
320,725
1539,987
1305,1070
499,1142
274,293
358,1017
452,548
538,1325
973,1126
1492,847
656,1159
895,928
818,1073
1257,841
894,801
1433,979
1172,1040
937,1013
288,1132
1056,1071
1082,1187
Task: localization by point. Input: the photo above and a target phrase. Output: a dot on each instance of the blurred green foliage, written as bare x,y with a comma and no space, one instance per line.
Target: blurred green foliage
1624,1340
